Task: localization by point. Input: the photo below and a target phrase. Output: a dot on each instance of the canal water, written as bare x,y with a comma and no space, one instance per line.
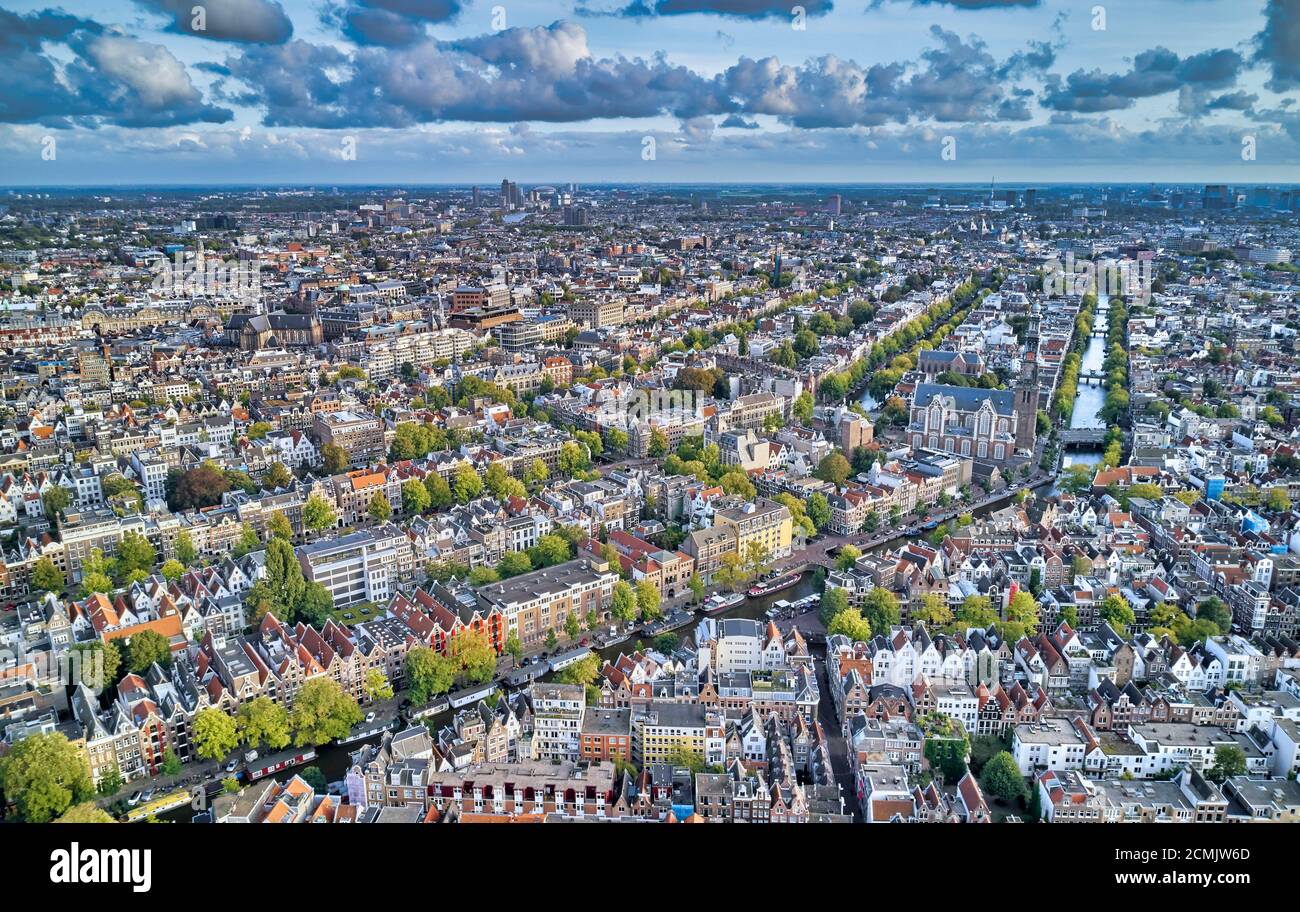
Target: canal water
1090,397
333,759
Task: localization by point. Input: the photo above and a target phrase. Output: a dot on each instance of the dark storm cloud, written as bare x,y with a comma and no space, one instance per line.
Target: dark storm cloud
1154,72
1278,44
1232,101
542,73
112,78
548,74
732,9
249,21
390,23
971,4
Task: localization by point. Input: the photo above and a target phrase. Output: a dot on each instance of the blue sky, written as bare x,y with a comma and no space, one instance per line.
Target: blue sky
359,91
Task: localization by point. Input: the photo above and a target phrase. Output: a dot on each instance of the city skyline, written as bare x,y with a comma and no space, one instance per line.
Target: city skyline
387,92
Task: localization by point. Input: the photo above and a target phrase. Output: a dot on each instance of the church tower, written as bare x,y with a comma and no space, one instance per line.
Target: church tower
1027,387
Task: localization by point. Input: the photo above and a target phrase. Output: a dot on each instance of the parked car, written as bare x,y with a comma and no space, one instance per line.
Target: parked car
232,766
134,799
250,756
370,716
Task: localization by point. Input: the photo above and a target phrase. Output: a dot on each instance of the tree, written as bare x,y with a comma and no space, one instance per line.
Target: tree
851,624
946,745
1077,478
983,748
1023,610
46,576
171,764
284,577
537,472
1229,761
172,570
262,721
551,640
472,655
803,407
317,514
819,510
415,497
834,601
248,541
584,671
380,510
514,647
737,483
615,440
314,606
278,526
377,686
847,556
466,483
110,783
933,611
1001,777
572,626
147,647
696,585
1213,609
550,550
623,603
97,663
482,576
666,642
427,674
440,496
43,775
658,445
88,812
322,712
647,600
277,476
135,552
834,468
1116,611
215,734
514,563
335,458
55,501
314,778
95,574
881,609
201,486
186,553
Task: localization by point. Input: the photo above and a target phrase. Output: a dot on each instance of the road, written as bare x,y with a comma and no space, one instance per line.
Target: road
818,551
836,743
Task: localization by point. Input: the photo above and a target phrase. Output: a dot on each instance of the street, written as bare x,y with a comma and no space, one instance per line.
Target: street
836,743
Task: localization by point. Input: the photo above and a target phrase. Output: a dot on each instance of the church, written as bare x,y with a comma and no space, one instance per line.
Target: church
964,421
986,425
254,332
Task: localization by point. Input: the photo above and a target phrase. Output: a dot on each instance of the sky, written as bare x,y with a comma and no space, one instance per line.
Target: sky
208,92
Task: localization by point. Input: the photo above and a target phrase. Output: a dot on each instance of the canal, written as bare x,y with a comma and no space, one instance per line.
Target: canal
333,759
1090,397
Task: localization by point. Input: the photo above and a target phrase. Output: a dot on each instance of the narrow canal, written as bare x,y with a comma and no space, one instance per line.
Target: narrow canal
1091,396
333,759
